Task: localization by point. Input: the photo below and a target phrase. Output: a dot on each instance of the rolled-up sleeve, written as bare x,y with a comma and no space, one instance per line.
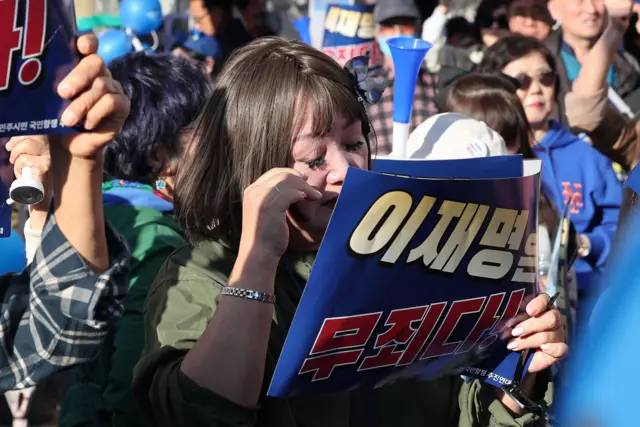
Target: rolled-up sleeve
177,313
57,312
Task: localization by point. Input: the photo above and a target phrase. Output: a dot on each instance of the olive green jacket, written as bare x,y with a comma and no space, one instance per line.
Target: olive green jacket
178,308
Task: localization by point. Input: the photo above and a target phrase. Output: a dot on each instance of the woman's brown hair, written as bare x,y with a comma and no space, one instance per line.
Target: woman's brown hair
261,99
491,98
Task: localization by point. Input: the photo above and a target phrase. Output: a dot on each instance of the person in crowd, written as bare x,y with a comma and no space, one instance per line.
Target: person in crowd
492,99
587,107
57,312
581,24
201,50
494,19
572,171
167,93
530,18
215,18
255,193
452,135
398,18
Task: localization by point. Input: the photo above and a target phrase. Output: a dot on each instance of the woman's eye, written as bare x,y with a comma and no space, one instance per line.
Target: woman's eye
316,163
354,147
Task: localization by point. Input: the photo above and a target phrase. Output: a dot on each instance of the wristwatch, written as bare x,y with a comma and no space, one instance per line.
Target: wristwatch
585,247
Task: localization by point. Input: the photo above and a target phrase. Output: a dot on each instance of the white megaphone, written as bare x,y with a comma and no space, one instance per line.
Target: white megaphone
26,190
408,54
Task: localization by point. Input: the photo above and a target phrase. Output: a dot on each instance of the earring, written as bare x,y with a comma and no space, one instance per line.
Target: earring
556,25
161,184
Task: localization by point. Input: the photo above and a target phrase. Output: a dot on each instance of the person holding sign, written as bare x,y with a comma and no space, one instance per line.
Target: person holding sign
255,193
56,313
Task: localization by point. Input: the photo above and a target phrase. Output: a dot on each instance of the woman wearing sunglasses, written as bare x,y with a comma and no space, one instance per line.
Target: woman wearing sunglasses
572,171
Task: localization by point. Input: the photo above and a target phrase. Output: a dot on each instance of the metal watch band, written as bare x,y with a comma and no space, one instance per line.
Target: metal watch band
249,294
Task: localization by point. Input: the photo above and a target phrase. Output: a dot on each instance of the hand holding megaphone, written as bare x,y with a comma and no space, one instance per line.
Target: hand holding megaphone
31,161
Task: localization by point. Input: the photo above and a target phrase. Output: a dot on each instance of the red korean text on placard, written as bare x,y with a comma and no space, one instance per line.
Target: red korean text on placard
345,338
410,334
30,38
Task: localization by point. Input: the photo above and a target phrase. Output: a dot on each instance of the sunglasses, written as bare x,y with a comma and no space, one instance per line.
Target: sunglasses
546,79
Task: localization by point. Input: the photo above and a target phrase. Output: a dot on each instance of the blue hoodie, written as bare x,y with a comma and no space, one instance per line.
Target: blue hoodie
570,167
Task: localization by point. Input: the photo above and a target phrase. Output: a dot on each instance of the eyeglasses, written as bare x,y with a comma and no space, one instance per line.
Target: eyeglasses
546,79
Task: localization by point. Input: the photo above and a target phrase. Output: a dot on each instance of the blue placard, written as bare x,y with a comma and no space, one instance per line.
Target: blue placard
348,32
415,278
476,168
37,50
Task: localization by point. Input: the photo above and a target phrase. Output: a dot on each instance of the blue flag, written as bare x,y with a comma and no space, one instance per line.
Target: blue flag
415,278
37,50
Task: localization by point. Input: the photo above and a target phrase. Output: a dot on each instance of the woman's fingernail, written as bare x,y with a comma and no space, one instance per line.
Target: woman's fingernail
69,118
88,125
517,332
303,194
512,345
318,193
544,347
65,90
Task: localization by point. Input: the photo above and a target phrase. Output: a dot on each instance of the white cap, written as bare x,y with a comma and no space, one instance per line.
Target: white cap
451,136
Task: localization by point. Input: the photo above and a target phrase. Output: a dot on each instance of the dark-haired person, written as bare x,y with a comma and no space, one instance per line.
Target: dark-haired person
573,171
255,193
56,312
167,94
530,18
215,18
201,50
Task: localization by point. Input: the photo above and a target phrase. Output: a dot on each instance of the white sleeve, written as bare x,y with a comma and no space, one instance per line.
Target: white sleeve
32,240
433,26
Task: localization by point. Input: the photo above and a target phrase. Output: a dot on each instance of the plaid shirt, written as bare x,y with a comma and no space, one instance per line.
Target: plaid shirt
56,313
381,114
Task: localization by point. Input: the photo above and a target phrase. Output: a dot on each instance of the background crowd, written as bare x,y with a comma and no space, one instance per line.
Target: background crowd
557,80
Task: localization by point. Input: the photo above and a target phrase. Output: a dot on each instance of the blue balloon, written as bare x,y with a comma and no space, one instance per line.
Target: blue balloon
113,44
13,256
141,16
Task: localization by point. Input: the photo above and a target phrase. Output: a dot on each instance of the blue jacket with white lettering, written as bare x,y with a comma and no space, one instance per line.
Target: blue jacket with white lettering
571,168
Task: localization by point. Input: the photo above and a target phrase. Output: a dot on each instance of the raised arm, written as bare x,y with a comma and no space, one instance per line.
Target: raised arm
79,274
587,105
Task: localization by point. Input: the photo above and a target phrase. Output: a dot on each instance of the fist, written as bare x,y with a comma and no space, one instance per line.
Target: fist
30,151
619,9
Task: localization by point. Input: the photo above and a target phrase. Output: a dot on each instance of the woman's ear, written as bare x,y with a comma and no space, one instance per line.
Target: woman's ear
554,9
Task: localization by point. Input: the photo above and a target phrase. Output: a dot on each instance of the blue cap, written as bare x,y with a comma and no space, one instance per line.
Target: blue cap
203,45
